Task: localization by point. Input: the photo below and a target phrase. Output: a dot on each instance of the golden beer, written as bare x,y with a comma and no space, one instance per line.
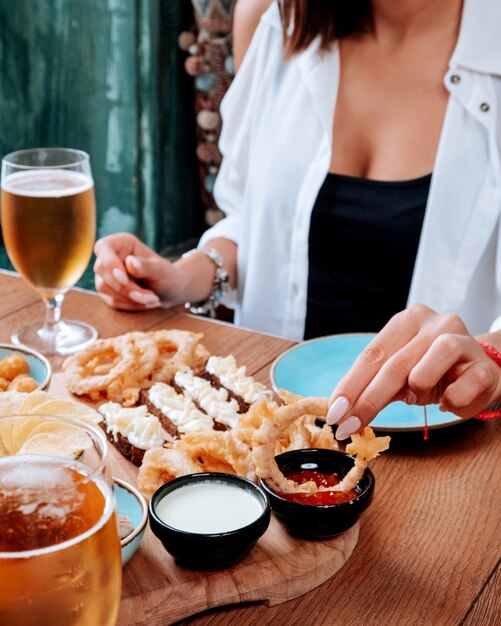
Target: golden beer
60,559
49,226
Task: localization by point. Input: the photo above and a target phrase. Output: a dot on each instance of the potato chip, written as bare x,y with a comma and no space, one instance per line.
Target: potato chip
68,444
11,401
6,426
68,408
21,430
3,449
32,400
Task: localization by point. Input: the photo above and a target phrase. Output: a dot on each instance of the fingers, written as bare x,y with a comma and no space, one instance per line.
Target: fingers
132,300
152,270
446,351
399,331
113,278
472,391
408,360
387,383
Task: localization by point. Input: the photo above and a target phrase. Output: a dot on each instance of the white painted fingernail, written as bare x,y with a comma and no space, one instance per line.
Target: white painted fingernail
337,410
348,427
107,299
135,262
144,298
120,276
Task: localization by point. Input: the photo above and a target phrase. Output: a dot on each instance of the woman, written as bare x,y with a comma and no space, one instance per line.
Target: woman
360,174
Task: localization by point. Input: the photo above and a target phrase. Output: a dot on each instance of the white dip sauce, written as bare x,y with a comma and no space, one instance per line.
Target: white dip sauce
209,507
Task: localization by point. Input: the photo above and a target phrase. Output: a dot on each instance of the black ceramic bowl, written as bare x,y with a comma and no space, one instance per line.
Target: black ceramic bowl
212,550
311,521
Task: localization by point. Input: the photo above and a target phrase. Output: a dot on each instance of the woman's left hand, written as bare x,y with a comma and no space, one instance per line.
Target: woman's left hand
420,357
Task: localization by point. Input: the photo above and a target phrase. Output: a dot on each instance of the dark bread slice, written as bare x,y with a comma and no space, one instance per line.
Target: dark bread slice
123,445
216,425
166,423
243,406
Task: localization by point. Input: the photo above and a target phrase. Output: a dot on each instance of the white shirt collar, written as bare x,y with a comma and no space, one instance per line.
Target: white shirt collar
479,43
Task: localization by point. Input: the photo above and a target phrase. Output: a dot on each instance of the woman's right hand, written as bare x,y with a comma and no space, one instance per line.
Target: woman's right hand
131,276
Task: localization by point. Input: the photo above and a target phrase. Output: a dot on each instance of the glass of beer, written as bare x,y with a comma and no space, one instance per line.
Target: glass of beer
49,227
60,555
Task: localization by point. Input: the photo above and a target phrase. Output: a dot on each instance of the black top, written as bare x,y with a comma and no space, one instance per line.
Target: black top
363,242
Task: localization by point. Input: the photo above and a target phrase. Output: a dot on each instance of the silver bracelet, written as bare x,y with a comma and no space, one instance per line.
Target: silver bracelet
220,284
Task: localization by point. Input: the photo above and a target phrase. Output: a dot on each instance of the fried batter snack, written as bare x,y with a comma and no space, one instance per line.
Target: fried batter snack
364,447
117,368
233,450
161,465
14,374
270,432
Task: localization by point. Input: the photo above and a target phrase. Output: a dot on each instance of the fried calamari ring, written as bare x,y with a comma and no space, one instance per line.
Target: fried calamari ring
365,446
176,349
271,431
115,362
207,448
160,465
239,452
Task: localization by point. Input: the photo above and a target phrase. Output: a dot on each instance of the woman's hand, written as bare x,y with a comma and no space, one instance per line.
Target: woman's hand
129,275
420,357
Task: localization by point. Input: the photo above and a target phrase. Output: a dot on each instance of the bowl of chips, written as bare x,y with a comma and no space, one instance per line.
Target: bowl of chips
321,512
132,517
22,369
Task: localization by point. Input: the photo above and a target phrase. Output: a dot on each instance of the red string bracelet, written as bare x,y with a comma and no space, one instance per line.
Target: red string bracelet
494,354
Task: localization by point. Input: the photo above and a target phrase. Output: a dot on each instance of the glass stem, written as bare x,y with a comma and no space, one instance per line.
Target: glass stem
52,313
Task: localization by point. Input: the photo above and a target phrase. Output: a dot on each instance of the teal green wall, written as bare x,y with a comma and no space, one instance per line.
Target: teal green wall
106,76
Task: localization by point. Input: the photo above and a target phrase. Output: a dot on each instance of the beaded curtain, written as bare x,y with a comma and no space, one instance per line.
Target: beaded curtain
210,62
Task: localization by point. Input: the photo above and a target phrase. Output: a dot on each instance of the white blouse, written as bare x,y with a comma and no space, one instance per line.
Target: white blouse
276,144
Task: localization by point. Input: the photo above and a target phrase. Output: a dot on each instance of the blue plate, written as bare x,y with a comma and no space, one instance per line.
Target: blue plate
132,504
313,368
40,369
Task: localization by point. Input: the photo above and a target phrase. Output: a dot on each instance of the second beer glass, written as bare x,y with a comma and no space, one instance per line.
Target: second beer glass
49,227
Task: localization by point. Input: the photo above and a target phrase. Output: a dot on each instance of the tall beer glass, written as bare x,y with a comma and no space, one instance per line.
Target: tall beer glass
49,227
60,557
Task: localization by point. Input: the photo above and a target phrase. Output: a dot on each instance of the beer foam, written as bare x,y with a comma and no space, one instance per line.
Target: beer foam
47,183
24,483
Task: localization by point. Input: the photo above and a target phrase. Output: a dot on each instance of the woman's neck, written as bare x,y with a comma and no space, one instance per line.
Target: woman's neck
396,20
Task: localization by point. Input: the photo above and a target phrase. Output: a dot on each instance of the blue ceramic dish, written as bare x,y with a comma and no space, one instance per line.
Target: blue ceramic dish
40,369
314,367
132,504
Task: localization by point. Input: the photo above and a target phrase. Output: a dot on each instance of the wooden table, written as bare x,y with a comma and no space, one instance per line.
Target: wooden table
429,547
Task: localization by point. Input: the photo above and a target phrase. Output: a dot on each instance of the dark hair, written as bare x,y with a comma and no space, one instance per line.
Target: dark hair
304,20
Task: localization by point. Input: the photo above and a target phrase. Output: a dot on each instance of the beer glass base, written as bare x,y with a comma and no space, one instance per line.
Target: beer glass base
70,336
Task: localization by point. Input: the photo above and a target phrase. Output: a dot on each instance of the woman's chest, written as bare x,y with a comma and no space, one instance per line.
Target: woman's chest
389,114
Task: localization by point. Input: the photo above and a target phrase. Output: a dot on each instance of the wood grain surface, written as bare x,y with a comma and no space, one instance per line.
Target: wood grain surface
429,546
158,592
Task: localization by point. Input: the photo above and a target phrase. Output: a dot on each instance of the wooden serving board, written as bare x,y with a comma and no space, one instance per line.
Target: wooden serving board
156,591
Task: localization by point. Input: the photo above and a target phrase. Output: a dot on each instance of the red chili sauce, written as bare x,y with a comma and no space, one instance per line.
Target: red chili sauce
321,479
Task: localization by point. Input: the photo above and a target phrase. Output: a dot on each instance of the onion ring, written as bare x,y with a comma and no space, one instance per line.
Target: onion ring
176,349
365,447
111,365
271,430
